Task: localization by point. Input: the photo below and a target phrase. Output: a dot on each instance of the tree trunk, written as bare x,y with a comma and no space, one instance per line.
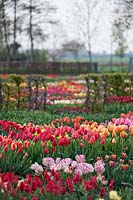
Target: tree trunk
77,61
90,61
121,58
1,29
31,32
89,39
5,31
111,56
14,31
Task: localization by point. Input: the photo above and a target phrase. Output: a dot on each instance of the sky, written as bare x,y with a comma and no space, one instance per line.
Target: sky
101,39
72,26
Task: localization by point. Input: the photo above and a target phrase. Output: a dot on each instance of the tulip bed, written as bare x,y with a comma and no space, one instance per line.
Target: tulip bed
19,92
67,92
68,158
61,96
64,152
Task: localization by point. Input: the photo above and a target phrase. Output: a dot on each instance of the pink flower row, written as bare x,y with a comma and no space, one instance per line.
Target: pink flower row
78,166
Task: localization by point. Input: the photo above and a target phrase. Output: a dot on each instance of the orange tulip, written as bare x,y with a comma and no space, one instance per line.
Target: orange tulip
120,128
131,130
94,125
67,120
117,129
114,134
125,167
111,127
123,134
123,115
100,128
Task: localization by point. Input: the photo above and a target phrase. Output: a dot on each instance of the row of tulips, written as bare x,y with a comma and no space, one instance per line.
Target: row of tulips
66,92
61,179
95,155
120,99
20,94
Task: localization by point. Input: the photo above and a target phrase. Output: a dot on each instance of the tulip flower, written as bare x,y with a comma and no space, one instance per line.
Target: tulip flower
113,157
113,195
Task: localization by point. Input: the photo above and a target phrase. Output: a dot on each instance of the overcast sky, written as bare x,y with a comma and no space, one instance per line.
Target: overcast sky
70,25
101,40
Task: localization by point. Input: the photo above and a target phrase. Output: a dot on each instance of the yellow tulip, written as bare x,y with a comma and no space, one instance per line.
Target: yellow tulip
114,196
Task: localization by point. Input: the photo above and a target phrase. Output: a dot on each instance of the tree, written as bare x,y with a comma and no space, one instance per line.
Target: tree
10,21
57,35
88,16
120,27
1,29
129,13
16,21
5,25
38,13
120,40
129,8
125,10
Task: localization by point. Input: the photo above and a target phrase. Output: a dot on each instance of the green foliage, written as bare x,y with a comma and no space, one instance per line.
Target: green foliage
99,86
18,79
39,55
117,84
19,92
40,117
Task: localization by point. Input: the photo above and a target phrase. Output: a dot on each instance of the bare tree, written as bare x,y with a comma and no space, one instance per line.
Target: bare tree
88,16
128,11
15,26
125,10
120,41
5,26
39,14
31,9
121,24
1,29
14,30
58,35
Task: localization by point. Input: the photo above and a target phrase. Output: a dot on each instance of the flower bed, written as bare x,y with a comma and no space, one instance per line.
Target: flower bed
120,99
67,158
93,91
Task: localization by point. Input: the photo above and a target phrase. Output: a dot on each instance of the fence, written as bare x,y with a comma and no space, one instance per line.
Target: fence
47,67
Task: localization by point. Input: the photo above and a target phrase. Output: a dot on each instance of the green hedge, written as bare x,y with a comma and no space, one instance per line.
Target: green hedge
30,92
23,92
101,86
